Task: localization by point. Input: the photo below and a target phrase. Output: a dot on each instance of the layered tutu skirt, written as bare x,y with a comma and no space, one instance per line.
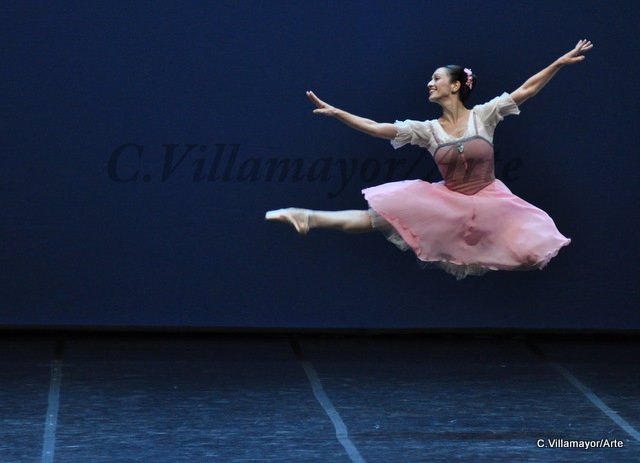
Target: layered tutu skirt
492,229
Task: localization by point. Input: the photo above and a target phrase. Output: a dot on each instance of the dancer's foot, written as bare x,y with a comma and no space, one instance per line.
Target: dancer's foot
299,218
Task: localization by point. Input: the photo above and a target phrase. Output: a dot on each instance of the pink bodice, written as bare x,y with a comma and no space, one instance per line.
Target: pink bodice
466,165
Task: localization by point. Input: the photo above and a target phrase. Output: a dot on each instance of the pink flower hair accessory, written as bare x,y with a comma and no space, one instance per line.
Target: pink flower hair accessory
469,78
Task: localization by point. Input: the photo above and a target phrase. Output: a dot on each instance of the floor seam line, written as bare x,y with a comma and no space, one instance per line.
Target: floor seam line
323,399
51,419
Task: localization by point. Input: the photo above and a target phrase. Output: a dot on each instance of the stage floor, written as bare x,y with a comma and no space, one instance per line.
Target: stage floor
318,398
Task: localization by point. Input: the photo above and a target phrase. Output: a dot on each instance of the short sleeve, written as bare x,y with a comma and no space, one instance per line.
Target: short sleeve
414,133
494,111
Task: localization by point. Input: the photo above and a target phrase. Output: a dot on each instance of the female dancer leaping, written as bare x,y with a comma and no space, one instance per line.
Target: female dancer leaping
470,222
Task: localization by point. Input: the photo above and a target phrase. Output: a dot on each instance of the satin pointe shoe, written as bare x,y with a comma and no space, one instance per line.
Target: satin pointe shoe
299,218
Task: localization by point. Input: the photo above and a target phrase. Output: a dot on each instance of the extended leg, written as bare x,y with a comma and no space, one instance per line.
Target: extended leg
351,221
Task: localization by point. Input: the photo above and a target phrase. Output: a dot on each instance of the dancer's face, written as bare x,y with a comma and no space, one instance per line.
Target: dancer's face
440,85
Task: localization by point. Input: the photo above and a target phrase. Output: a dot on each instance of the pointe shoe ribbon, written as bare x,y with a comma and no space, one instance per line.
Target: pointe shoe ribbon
299,218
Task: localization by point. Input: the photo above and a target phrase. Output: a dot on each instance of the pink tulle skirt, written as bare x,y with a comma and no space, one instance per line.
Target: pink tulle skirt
492,229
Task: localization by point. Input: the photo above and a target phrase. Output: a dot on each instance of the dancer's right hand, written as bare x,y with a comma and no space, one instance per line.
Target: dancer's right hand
368,126
321,107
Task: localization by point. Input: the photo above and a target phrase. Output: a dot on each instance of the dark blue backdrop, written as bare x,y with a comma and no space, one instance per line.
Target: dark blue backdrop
142,143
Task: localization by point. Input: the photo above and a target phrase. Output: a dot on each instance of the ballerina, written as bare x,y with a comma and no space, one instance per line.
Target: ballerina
470,222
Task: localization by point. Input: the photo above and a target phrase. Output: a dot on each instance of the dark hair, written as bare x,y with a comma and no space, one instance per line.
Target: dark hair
458,74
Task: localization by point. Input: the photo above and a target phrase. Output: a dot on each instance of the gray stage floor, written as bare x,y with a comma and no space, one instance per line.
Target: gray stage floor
310,398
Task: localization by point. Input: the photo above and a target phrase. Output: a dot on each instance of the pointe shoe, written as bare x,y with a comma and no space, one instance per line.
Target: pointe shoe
299,218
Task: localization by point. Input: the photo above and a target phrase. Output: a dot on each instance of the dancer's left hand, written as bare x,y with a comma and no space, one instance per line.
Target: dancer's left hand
577,54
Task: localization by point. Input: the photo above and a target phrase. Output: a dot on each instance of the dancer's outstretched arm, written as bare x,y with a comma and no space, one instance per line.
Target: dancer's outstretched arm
368,126
535,83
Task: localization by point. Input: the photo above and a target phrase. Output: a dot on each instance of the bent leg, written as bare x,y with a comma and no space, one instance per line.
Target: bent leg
350,221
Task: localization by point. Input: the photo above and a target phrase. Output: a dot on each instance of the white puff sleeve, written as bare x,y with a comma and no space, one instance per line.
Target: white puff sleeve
415,133
495,110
